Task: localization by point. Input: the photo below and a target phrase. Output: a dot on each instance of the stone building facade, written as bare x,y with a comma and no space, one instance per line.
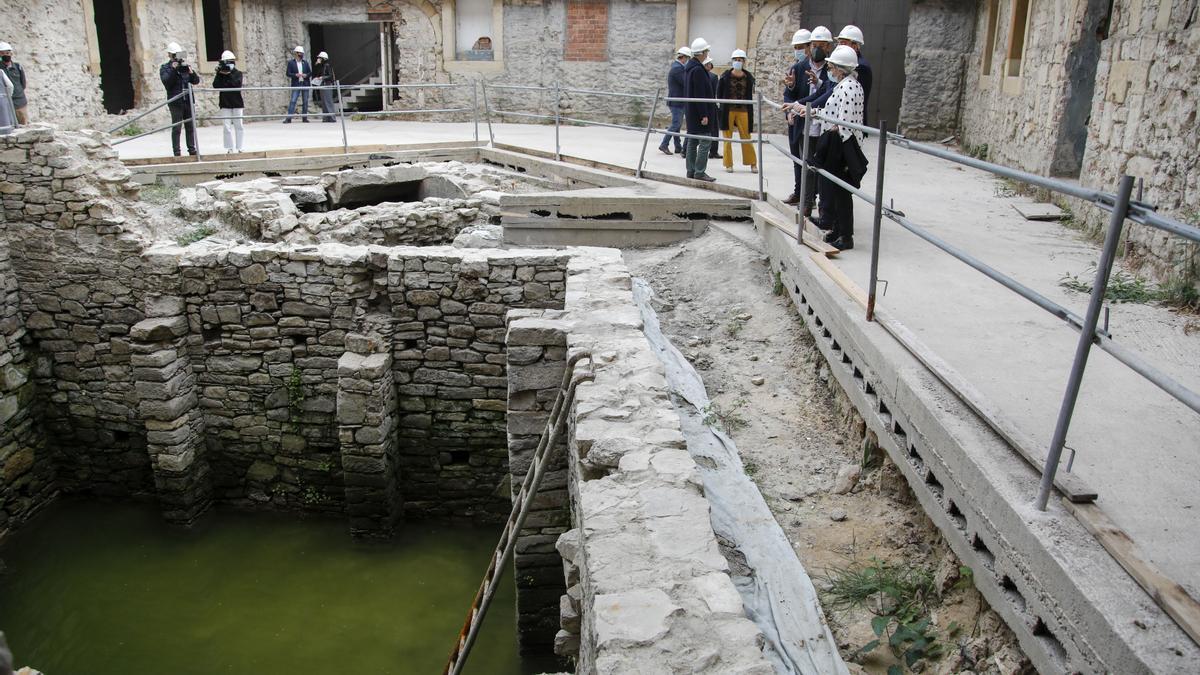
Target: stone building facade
1081,89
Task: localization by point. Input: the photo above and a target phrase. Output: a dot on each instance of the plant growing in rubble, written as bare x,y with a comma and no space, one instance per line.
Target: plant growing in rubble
194,235
728,419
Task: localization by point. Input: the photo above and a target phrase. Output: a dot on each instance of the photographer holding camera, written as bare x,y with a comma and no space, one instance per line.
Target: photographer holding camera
232,106
323,76
177,76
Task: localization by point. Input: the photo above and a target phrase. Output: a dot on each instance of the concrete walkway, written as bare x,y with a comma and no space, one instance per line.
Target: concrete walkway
1136,446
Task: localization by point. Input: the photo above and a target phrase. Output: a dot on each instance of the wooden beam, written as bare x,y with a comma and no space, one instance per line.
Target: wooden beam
1173,598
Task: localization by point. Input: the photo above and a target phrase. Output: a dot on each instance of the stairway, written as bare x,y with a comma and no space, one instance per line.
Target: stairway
356,97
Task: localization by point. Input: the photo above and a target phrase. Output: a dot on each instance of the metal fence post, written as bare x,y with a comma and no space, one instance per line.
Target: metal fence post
487,114
804,177
878,221
192,121
762,192
342,118
649,126
557,115
475,108
1087,335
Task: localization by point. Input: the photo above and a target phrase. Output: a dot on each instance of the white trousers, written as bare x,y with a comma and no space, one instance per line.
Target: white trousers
231,118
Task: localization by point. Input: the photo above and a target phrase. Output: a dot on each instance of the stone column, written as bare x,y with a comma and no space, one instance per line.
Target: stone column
164,382
537,350
366,416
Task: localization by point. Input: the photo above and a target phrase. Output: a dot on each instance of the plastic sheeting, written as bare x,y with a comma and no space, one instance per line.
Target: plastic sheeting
777,592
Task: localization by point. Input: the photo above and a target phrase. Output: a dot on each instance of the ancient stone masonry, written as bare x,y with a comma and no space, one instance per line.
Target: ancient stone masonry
647,584
934,69
366,411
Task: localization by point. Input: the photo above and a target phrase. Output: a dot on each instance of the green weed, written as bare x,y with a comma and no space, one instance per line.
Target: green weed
131,130
779,288
1122,286
194,235
728,419
159,194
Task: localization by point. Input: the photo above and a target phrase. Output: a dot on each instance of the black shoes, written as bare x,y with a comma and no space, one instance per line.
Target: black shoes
792,199
665,151
843,243
705,177
691,175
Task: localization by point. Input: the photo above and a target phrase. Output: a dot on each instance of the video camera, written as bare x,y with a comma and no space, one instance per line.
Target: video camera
225,66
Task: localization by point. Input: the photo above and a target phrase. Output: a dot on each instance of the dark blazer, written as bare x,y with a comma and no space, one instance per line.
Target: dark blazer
229,99
296,68
863,72
844,159
175,81
724,87
699,85
800,89
676,84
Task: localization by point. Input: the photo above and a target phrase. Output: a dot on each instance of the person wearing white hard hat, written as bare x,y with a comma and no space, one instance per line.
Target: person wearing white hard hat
676,88
737,83
8,117
16,77
852,37
231,105
839,150
712,126
700,114
796,87
820,89
177,77
299,74
323,76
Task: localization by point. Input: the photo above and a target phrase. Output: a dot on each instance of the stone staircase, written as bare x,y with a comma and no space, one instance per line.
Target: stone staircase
357,97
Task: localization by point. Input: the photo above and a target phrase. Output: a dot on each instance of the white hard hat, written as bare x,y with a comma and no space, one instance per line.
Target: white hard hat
851,33
174,48
707,60
5,47
802,37
738,54
844,56
228,56
699,45
822,34
684,51
298,50
323,55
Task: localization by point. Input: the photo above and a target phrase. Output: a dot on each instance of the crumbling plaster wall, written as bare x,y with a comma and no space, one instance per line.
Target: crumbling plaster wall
1019,118
49,39
1144,124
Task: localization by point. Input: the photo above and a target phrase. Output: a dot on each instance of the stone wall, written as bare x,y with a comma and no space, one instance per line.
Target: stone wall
1144,124
935,67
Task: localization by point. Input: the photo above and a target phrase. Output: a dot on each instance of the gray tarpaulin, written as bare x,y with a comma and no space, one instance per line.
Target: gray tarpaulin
777,593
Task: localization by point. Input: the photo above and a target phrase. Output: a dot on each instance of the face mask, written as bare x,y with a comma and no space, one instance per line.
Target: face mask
737,65
833,77
819,54
799,54
6,58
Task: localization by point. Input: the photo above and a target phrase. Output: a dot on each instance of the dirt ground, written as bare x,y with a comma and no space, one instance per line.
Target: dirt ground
716,301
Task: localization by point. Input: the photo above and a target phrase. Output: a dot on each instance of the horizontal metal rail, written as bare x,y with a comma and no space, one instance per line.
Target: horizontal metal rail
126,139
139,116
737,101
344,87
606,93
520,87
858,192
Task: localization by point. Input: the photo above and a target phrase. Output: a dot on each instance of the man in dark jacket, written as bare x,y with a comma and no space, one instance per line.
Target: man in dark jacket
16,75
700,115
323,76
299,73
795,87
712,127
676,88
852,37
177,77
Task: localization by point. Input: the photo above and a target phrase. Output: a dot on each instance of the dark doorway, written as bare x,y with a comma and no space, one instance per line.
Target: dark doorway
116,68
884,24
214,29
354,52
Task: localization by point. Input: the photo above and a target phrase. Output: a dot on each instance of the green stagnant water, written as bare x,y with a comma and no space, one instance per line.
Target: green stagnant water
94,589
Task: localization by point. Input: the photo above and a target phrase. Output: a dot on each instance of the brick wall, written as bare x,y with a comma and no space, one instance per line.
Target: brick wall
587,31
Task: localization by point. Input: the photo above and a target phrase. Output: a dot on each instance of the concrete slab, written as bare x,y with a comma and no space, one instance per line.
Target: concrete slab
1031,210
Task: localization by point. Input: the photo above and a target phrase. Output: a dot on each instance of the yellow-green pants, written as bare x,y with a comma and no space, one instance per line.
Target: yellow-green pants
741,120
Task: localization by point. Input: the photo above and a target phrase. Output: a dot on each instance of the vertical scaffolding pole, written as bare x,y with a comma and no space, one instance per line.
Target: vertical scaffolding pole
804,177
762,191
475,108
342,117
192,122
1087,335
557,116
877,222
649,126
487,114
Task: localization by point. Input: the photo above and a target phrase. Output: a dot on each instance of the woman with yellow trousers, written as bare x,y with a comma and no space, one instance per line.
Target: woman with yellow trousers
737,83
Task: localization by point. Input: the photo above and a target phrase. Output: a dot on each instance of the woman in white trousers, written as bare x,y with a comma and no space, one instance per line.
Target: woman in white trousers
232,107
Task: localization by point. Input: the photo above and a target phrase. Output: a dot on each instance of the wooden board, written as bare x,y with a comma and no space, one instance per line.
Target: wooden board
1172,597
1038,211
839,277
813,242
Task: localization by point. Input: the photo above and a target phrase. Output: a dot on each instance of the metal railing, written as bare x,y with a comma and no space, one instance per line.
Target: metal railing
1120,207
192,119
